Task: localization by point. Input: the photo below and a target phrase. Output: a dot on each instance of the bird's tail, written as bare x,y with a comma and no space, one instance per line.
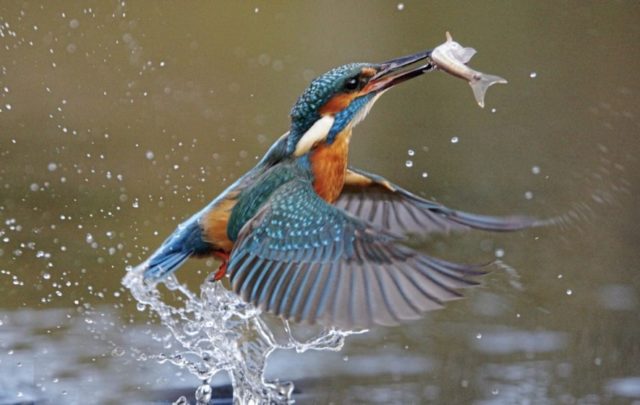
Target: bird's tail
162,263
185,242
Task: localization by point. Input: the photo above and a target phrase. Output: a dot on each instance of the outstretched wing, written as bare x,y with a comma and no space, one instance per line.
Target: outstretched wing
384,204
305,260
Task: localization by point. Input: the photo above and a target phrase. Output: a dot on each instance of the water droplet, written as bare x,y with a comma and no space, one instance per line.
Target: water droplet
411,152
34,187
499,252
117,351
454,139
409,163
52,167
277,65
181,401
8,107
400,6
535,169
73,24
528,195
533,75
425,175
264,59
203,394
569,292
149,154
479,336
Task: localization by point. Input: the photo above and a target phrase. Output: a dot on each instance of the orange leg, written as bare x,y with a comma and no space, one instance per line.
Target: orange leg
222,270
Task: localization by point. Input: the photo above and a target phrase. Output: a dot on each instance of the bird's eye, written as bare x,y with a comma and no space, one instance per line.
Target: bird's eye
352,83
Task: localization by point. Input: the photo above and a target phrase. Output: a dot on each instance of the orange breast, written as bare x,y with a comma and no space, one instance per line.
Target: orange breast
329,166
214,224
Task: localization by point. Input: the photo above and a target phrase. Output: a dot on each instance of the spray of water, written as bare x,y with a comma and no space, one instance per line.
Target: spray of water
216,331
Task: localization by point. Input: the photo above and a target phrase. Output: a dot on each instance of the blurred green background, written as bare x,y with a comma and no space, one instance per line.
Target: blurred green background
120,119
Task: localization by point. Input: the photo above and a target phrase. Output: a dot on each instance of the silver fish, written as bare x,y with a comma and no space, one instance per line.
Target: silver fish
452,58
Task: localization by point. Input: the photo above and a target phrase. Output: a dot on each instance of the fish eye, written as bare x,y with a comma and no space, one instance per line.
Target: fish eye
352,84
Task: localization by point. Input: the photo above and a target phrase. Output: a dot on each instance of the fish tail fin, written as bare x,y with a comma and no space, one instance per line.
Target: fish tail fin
481,82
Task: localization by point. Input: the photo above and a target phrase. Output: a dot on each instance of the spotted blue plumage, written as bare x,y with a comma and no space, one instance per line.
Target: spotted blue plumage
304,259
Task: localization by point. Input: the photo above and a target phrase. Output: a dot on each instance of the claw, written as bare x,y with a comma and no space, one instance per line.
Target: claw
222,270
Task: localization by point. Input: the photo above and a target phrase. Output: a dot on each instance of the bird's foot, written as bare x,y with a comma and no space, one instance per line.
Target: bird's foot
222,270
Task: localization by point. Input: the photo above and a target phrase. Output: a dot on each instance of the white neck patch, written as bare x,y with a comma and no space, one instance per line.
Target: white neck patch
364,111
317,133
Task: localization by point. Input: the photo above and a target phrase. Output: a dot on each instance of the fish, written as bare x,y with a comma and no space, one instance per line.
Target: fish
451,57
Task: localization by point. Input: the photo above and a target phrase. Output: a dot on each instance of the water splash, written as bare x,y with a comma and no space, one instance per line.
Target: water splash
217,331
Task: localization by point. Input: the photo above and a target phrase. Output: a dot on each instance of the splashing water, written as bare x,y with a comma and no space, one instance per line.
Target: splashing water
217,331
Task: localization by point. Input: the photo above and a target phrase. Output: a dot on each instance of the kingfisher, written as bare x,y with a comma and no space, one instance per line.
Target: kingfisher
307,237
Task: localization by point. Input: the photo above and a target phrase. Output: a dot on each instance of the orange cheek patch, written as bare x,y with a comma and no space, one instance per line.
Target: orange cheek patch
369,71
337,103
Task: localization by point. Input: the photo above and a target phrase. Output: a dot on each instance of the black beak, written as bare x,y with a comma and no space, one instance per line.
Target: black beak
393,72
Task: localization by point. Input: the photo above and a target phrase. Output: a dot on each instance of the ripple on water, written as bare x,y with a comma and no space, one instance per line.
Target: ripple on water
514,341
618,297
628,387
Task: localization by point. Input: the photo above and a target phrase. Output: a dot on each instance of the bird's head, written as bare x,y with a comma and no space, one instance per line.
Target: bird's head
343,96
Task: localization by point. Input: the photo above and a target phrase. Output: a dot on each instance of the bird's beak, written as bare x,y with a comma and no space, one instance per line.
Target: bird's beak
393,72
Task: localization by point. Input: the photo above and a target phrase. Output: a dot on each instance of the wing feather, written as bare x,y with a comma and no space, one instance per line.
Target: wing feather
305,260
269,285
386,205
279,290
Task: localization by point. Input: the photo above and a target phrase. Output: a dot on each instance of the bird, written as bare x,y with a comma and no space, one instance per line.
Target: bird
309,238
